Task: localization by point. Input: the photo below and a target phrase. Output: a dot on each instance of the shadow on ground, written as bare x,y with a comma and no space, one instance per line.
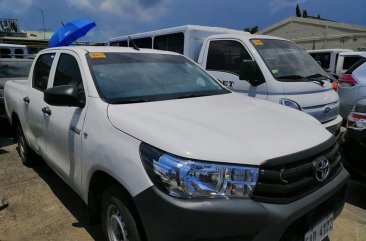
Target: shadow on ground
70,199
6,135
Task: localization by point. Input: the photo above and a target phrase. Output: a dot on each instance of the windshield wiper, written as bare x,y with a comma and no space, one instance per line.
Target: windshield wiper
299,78
130,101
293,76
189,96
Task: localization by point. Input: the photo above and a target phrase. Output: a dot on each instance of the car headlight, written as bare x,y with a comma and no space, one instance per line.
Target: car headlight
184,178
290,103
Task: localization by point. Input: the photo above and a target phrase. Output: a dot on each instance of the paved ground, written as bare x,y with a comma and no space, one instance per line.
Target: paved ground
43,207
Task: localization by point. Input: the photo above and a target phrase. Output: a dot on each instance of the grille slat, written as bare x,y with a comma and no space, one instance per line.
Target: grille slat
289,182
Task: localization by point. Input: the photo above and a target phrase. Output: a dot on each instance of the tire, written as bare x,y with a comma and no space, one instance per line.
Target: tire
25,152
117,219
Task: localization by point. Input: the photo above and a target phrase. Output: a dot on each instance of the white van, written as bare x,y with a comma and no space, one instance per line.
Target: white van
328,58
259,66
347,59
13,51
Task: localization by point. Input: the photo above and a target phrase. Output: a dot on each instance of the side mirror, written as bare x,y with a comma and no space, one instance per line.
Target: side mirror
249,72
64,95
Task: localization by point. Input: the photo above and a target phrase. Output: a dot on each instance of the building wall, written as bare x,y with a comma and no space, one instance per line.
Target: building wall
319,34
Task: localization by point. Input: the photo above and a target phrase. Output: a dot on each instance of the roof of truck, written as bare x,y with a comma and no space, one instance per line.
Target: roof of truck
354,53
180,29
12,45
110,49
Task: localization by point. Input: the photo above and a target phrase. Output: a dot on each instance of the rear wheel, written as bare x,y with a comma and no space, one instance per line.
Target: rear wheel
117,219
25,153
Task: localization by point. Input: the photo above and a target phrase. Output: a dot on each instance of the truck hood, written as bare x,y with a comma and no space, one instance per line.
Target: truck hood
225,128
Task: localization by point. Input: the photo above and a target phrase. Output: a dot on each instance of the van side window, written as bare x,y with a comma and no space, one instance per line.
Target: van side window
323,58
170,42
119,43
145,43
5,53
19,53
42,70
226,55
349,61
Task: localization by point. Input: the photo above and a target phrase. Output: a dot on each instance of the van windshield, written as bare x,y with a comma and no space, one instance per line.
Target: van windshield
287,61
139,77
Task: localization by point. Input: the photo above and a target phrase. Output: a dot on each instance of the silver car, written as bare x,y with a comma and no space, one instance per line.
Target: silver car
352,87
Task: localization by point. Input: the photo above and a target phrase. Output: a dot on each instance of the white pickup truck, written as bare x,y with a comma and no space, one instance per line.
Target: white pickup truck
160,150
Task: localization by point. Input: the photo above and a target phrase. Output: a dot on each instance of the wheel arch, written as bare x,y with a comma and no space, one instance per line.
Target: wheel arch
101,181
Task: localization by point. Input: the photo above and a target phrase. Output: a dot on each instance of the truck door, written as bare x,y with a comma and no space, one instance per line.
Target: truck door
64,125
34,102
224,58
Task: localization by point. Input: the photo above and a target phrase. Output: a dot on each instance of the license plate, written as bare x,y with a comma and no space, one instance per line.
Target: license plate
320,230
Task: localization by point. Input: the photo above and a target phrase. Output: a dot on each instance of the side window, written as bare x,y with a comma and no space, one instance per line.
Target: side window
41,71
323,58
113,44
67,72
170,42
19,53
145,43
226,55
5,53
349,61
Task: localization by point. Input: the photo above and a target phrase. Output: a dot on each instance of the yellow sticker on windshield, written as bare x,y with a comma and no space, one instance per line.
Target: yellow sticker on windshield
97,55
257,42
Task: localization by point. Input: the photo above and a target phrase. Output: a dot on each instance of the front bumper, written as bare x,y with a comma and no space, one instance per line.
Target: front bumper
166,218
334,126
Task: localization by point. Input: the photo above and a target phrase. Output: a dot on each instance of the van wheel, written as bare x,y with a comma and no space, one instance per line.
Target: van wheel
24,150
117,219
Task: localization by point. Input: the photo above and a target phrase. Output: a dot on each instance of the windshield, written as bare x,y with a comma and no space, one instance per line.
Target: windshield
287,61
15,69
141,77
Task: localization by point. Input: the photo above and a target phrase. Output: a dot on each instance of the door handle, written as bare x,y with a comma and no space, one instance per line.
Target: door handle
46,110
26,99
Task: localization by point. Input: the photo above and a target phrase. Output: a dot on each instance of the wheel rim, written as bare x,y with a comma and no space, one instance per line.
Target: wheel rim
116,226
21,145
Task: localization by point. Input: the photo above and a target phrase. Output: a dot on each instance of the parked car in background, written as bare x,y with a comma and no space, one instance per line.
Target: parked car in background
260,66
347,59
14,51
328,58
11,69
354,147
162,151
352,87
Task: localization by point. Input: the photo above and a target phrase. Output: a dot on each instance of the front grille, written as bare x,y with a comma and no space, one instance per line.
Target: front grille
289,182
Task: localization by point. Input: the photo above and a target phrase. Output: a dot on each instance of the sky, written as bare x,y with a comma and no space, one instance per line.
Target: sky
122,17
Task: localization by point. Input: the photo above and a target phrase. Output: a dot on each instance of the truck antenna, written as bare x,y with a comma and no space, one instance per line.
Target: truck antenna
133,44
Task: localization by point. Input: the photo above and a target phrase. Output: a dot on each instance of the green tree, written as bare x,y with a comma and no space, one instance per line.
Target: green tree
305,14
298,11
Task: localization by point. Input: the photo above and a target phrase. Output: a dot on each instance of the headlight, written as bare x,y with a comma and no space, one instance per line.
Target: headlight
184,178
290,103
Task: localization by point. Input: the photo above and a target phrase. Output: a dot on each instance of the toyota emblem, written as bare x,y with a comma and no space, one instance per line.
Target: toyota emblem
322,168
